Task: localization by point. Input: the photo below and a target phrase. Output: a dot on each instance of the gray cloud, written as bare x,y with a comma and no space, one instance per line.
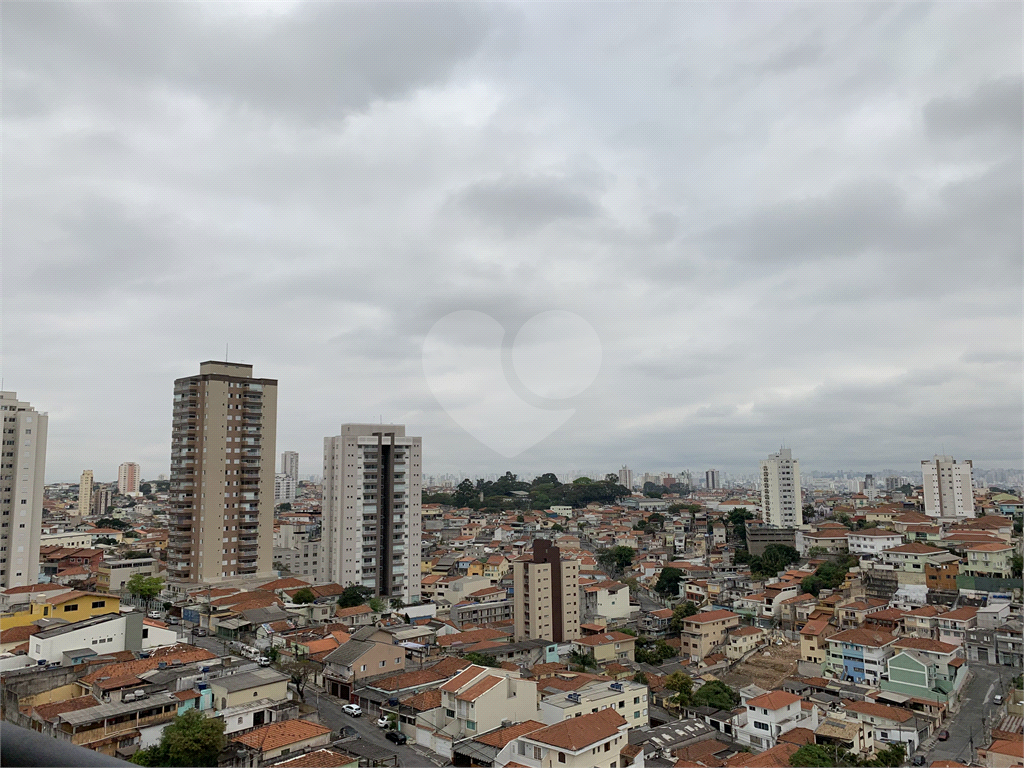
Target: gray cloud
782,225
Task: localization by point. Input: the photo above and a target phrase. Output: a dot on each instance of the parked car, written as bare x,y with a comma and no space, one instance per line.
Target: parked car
997,699
943,735
382,722
396,736
918,760
173,621
263,661
352,709
154,614
199,631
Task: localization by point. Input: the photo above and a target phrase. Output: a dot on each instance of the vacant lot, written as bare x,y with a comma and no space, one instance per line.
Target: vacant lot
765,671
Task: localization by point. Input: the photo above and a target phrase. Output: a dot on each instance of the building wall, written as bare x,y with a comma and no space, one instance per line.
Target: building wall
128,478
222,475
780,489
275,691
107,637
372,499
22,470
948,490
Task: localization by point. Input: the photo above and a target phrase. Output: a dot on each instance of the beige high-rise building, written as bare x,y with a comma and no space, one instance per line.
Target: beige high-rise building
546,595
372,497
128,479
85,494
22,469
224,431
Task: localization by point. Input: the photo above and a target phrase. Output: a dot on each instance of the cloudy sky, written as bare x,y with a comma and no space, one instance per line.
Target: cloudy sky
544,235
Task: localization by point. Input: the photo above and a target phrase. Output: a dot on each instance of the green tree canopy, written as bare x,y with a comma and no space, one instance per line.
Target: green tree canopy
146,587
716,694
113,522
821,756
616,559
303,596
191,739
482,659
354,595
145,489
668,581
682,684
648,652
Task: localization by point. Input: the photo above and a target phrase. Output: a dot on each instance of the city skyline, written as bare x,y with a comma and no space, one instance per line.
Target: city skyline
785,224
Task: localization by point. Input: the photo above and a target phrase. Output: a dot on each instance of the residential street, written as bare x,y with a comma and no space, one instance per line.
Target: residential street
329,707
967,728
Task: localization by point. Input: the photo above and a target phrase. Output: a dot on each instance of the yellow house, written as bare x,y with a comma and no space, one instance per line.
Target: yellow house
607,646
496,567
476,568
990,559
813,647
427,566
70,606
246,687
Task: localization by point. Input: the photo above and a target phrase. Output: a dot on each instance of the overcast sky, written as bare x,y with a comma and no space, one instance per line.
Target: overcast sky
741,226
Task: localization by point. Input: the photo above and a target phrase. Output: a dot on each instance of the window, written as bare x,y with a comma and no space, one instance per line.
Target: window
471,724
362,668
561,757
451,713
99,603
383,662
68,608
536,753
398,661
608,746
761,726
636,715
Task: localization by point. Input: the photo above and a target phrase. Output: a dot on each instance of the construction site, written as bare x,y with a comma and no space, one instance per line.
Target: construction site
767,667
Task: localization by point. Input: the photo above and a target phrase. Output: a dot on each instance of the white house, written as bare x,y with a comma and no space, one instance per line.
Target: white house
593,739
770,715
889,724
872,541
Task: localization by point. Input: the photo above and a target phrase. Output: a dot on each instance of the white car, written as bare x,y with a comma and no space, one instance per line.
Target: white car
154,614
352,709
263,661
382,722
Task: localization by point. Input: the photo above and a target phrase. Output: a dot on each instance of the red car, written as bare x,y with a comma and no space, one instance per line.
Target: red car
943,735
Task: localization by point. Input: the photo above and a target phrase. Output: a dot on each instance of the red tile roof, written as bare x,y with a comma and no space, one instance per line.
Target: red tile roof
707,616
320,758
578,733
896,714
479,688
773,700
281,734
501,737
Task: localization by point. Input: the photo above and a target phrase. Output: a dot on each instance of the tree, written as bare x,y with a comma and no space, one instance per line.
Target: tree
300,671
1017,565
465,494
105,540
558,528
890,757
113,522
397,603
582,659
191,739
640,678
682,684
146,489
775,558
303,596
821,756
616,559
376,605
716,694
520,519
482,659
286,507
647,652
680,614
668,582
146,587
354,595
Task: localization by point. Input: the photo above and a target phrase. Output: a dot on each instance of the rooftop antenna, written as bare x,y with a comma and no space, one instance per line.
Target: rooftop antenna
225,351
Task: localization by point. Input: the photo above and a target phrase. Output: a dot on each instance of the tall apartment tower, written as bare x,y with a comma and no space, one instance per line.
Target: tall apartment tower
21,490
780,490
546,595
372,497
948,489
290,464
101,499
223,436
128,479
711,480
85,494
626,477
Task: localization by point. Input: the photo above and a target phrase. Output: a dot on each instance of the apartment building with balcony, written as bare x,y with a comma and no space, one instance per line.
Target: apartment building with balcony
953,626
479,699
546,594
628,698
873,541
224,431
22,467
991,559
780,489
372,506
593,740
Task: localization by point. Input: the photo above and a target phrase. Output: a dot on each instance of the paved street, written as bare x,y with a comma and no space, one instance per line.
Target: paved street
329,707
967,728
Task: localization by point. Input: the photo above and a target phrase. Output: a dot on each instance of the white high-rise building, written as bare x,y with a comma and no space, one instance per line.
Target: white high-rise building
22,469
948,489
626,477
780,489
128,479
85,494
284,488
372,495
290,464
711,480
